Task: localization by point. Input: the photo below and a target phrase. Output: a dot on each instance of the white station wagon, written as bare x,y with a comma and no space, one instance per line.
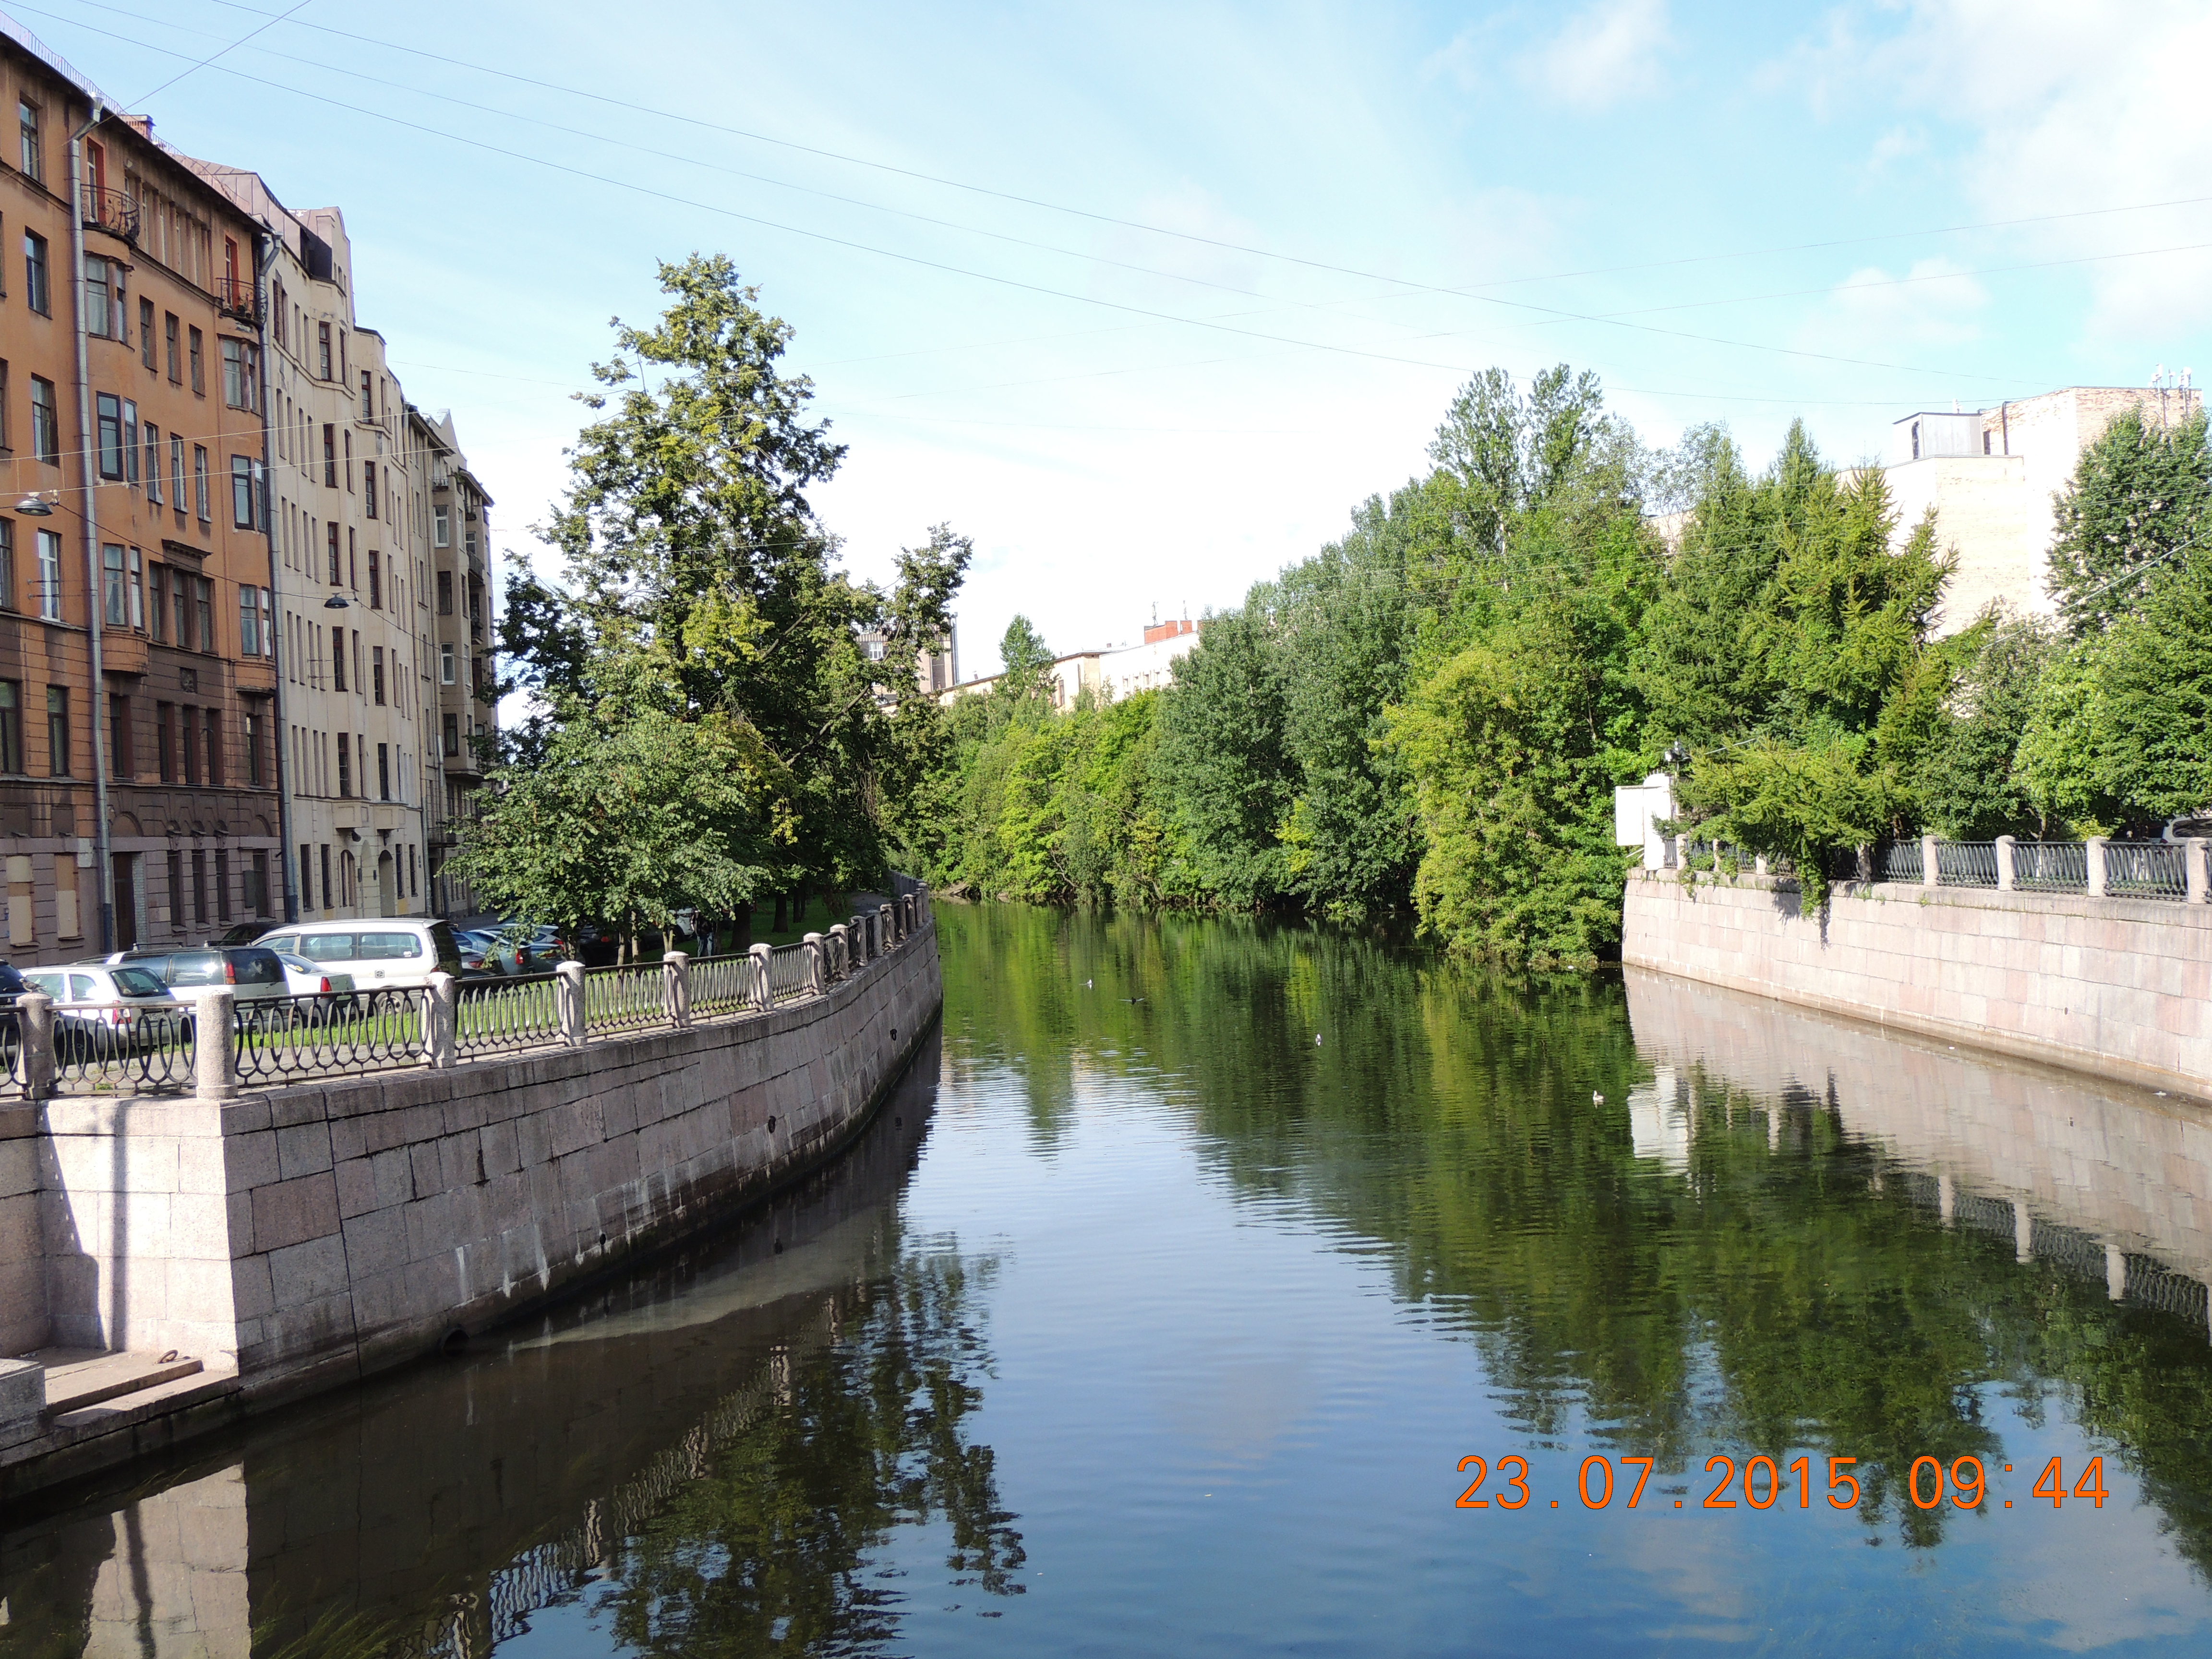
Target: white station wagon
393,954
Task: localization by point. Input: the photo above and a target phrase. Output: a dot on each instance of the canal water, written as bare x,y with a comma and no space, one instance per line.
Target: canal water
1160,1308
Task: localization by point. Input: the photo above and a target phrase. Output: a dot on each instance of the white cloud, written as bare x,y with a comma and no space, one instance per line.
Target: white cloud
2067,108
1606,54
1878,312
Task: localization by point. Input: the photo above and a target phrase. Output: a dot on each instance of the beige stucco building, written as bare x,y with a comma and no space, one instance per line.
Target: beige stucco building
450,516
1991,474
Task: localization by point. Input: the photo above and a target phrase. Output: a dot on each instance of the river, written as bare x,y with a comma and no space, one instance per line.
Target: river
1158,1310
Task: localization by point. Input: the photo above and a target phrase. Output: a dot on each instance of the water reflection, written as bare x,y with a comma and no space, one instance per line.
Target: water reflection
701,1458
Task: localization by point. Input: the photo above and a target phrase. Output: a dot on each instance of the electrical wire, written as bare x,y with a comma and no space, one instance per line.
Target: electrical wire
204,63
1552,312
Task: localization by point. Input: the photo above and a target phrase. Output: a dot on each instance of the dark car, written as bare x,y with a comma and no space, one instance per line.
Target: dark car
11,984
247,932
253,973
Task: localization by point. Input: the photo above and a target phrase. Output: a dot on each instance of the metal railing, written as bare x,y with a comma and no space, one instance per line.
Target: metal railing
1966,863
491,1016
624,998
99,1048
283,1039
106,1048
1901,860
113,211
2145,869
2051,867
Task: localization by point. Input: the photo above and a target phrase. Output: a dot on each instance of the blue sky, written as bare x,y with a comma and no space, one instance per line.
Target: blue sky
1263,244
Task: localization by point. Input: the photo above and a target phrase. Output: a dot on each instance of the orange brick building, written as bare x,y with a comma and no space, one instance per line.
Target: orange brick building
131,522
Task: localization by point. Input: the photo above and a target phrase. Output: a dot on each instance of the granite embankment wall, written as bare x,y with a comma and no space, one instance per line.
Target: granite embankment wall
2120,987
296,1239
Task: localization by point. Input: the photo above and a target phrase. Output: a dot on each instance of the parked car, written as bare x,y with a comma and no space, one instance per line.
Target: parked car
247,932
11,984
105,1010
303,978
481,955
251,973
393,954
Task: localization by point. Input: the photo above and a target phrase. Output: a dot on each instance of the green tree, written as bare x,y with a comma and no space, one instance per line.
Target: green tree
1969,786
2140,495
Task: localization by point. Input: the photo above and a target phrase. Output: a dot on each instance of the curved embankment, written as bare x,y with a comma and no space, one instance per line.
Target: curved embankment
297,1240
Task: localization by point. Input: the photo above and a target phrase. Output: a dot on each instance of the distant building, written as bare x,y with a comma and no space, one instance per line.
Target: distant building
1109,674
1991,474
934,672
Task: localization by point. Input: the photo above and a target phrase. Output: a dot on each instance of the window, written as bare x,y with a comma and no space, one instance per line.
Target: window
36,291
253,768
241,492
306,877
330,455
34,153
146,334
7,566
249,622
326,875
199,885
110,423
129,442
5,443
348,438
383,772
180,596
257,883
58,731
45,421
11,727
177,471
137,591
368,485
376,673
188,723
375,582
337,661
276,289
367,411
445,665
345,763
214,748
115,604
160,613
357,680
197,357
99,306
442,534
268,623
445,595
153,463
335,573
50,574
121,762
200,483
453,736
164,741
203,603
241,374
322,351
169,328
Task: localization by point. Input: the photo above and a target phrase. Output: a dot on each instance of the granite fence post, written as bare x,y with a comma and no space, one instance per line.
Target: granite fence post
34,1019
2006,845
568,1001
215,1060
675,986
2093,848
1932,871
817,968
2196,879
764,961
441,1009
884,940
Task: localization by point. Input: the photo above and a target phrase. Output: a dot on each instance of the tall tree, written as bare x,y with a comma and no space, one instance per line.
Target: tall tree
2141,495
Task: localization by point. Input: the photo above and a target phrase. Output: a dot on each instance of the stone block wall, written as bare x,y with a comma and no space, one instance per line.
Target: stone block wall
2122,988
23,1323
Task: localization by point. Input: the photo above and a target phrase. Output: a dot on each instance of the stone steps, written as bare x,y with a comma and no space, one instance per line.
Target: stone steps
77,1377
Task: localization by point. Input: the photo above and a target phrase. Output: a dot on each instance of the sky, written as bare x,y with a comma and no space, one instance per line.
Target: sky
1147,299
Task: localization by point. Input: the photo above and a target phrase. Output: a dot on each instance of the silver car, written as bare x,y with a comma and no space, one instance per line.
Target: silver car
102,1009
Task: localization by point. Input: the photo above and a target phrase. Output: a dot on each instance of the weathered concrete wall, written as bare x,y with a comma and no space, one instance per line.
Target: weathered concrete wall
2120,987
299,1238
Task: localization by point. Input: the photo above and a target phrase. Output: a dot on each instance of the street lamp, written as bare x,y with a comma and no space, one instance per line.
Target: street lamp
39,506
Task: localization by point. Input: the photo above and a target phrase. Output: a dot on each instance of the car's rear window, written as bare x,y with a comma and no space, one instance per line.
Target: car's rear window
53,985
257,967
196,968
136,982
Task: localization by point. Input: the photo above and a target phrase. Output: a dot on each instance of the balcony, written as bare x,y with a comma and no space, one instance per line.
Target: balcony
233,297
113,211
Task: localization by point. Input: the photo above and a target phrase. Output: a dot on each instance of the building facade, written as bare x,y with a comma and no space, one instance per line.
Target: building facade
138,799
452,512
1991,475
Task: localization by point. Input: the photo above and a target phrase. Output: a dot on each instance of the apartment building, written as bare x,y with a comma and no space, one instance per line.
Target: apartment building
452,515
135,656
347,592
